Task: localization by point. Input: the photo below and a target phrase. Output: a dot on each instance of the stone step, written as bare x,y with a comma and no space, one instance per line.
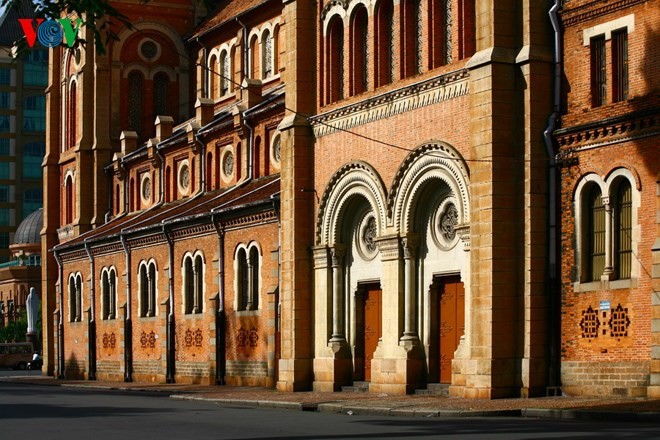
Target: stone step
357,387
434,389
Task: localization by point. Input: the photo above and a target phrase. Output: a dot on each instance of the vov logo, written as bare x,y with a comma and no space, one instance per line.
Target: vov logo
50,33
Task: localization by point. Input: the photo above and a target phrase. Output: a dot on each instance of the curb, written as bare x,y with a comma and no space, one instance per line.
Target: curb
585,414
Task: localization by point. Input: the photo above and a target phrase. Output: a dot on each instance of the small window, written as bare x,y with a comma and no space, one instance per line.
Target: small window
194,284
595,234
623,231
598,71
5,100
5,125
32,200
620,65
4,193
109,294
5,170
5,76
242,276
4,147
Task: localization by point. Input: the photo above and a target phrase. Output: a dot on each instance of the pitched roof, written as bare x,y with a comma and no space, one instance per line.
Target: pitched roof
228,203
226,12
10,29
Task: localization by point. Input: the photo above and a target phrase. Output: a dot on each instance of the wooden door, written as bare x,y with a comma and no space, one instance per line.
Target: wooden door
373,319
451,323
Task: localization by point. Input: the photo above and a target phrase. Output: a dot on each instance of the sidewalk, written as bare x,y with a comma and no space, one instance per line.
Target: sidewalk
605,408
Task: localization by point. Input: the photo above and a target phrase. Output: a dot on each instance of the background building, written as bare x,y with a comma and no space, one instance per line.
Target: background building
23,78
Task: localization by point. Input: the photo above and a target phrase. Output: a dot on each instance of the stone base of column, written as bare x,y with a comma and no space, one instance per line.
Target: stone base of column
483,379
402,373
295,375
335,370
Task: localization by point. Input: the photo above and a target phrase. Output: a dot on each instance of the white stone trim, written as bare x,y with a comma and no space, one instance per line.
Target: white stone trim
627,22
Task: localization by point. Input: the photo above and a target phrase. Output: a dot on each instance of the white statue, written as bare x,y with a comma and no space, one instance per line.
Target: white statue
32,305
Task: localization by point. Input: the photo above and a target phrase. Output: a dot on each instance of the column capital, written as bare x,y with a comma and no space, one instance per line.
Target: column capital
410,245
337,253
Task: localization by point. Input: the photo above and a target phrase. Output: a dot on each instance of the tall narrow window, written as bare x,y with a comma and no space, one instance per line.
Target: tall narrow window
72,125
359,50
242,274
198,288
384,43
266,55
161,85
595,234
151,303
598,71
623,230
79,297
276,50
411,38
254,58
68,188
620,65
134,101
144,291
254,278
224,72
335,50
72,300
214,78
189,280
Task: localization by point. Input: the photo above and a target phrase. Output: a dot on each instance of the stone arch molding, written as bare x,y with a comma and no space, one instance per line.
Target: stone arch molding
435,160
355,178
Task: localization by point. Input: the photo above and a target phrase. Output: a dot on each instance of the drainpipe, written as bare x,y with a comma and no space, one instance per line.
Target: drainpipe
91,339
220,324
128,324
278,306
202,163
60,322
170,335
245,48
553,285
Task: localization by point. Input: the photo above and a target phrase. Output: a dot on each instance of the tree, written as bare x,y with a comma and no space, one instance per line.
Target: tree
15,331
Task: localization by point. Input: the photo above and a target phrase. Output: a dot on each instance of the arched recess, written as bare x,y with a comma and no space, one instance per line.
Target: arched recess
355,178
429,202
437,161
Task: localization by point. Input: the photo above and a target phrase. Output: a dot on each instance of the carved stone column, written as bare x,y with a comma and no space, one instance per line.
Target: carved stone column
609,247
410,246
337,253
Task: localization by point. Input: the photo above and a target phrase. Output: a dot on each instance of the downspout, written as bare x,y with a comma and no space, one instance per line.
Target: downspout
60,322
245,48
91,339
220,323
170,369
128,324
553,286
278,305
202,164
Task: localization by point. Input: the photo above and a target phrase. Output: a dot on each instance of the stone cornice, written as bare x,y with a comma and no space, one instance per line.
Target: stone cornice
572,17
425,93
609,131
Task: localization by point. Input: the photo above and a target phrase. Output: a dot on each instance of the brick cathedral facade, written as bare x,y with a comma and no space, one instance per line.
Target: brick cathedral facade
402,194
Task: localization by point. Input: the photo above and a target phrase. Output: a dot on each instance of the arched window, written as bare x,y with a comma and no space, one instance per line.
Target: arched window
253,267
595,235
411,38
276,50
68,189
109,294
147,289
72,117
335,60
193,274
242,274
266,55
161,86
254,58
384,65
75,298
623,230
224,71
188,285
359,50
134,101
466,35
214,79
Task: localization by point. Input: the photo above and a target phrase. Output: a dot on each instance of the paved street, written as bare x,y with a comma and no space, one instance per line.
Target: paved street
49,412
